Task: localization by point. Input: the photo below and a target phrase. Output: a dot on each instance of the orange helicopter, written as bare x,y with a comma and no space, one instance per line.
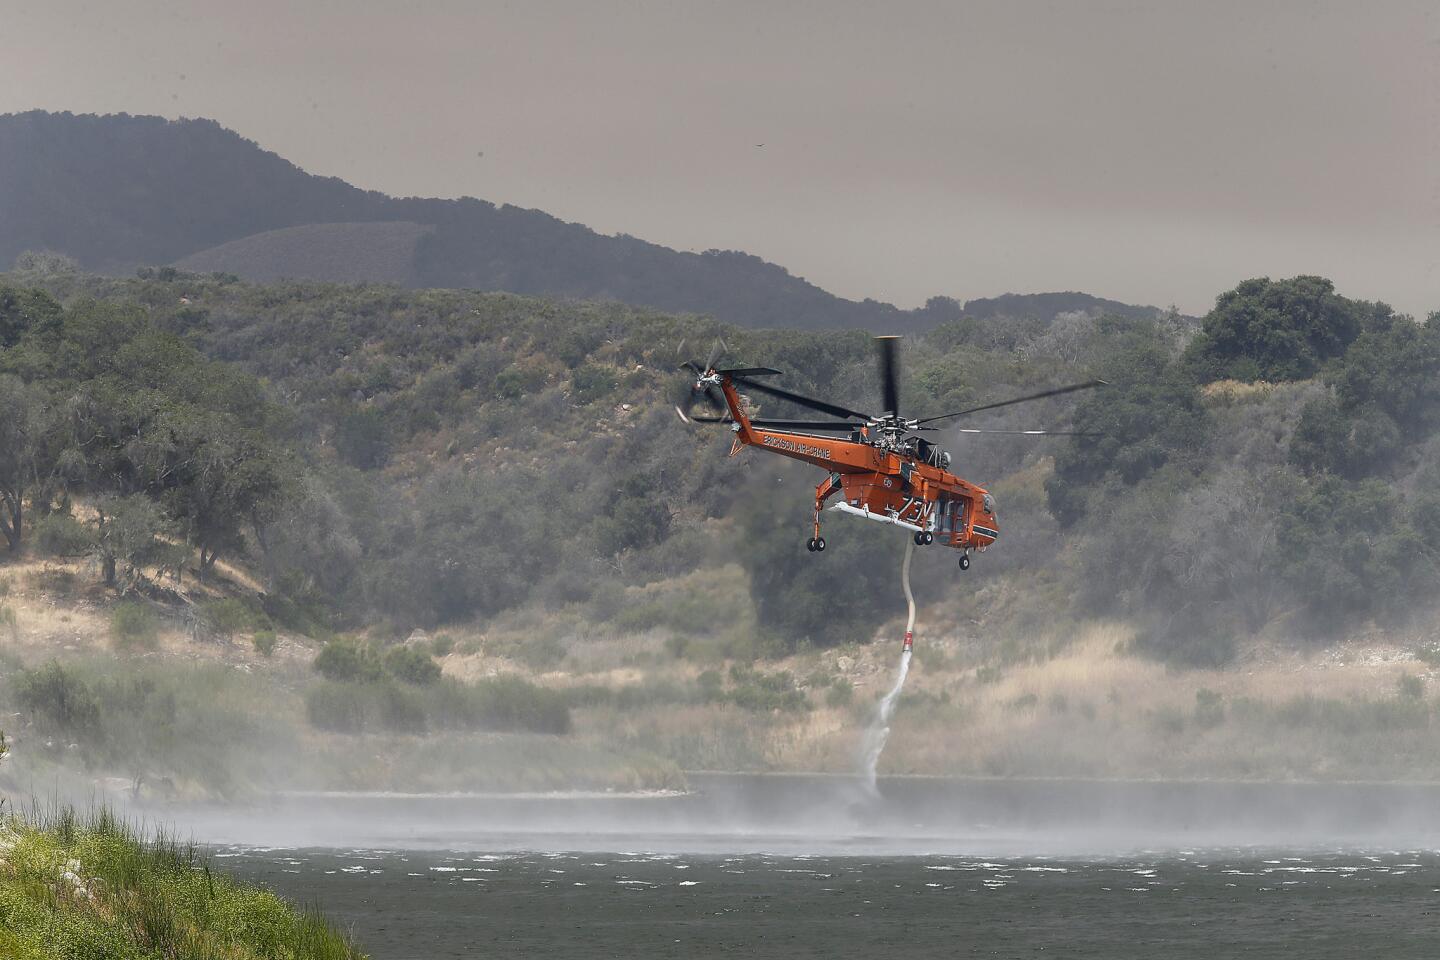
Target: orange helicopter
882,470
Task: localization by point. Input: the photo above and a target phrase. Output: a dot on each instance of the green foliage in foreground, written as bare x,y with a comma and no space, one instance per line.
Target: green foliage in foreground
78,887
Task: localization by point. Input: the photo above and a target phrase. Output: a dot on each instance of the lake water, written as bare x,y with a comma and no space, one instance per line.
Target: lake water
814,866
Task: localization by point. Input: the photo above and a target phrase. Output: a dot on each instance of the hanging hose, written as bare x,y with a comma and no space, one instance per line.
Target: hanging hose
909,597
873,743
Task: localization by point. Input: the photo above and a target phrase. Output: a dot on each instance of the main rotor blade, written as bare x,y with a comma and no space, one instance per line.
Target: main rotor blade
1087,385
835,410
805,424
1033,433
889,374
716,351
751,372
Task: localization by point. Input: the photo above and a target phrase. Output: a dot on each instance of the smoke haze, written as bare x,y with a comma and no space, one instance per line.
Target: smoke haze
1152,153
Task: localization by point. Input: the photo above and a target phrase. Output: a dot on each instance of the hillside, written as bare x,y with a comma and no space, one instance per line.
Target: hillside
120,192
447,530
383,252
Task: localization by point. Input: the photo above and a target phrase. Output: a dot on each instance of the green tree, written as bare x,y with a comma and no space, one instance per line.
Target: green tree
1350,552
636,515
362,438
22,310
1386,396
470,544
1277,330
817,599
25,443
131,535
1149,415
230,477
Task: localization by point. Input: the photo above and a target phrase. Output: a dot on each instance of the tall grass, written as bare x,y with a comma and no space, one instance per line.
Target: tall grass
87,885
498,704
214,727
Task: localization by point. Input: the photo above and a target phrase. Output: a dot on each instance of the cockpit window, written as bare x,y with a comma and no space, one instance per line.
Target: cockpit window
989,504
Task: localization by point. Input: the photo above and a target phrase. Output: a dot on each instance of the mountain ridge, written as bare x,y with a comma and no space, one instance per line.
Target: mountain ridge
118,191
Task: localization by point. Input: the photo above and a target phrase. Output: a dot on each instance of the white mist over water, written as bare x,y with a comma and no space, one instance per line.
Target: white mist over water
873,743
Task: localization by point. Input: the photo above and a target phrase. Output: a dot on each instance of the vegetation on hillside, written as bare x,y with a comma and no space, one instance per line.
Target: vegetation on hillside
441,456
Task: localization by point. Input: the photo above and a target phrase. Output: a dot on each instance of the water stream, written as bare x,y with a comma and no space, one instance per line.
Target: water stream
872,744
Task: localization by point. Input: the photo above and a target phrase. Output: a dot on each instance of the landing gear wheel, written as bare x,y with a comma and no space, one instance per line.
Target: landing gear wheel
964,561
919,539
810,544
929,538
819,544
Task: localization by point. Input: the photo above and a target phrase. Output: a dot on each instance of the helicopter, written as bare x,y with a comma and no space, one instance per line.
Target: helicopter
878,465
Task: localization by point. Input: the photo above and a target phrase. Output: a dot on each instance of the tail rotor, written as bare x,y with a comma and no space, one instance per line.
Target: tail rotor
701,392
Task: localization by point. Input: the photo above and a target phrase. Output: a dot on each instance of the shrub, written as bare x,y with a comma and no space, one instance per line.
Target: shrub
230,616
7,619
754,690
374,707
411,666
346,661
541,653
1209,708
712,684
1410,686
336,707
1025,701
61,535
1169,720
591,382
840,694
264,641
512,703
442,646
133,624
58,697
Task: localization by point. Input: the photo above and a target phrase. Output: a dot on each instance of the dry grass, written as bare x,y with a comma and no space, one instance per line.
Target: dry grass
61,607
1060,700
1096,710
1236,391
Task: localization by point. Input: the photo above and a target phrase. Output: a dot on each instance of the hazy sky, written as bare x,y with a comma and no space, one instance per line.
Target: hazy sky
1152,152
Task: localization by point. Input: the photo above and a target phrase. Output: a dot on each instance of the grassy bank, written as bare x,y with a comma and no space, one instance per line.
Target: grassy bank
86,886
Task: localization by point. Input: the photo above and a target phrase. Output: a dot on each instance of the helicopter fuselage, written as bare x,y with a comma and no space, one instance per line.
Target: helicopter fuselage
877,477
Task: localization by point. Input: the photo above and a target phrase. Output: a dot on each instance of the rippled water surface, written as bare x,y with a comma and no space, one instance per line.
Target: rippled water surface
820,867
635,904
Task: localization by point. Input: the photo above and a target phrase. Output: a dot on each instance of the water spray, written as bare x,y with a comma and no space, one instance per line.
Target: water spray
873,743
